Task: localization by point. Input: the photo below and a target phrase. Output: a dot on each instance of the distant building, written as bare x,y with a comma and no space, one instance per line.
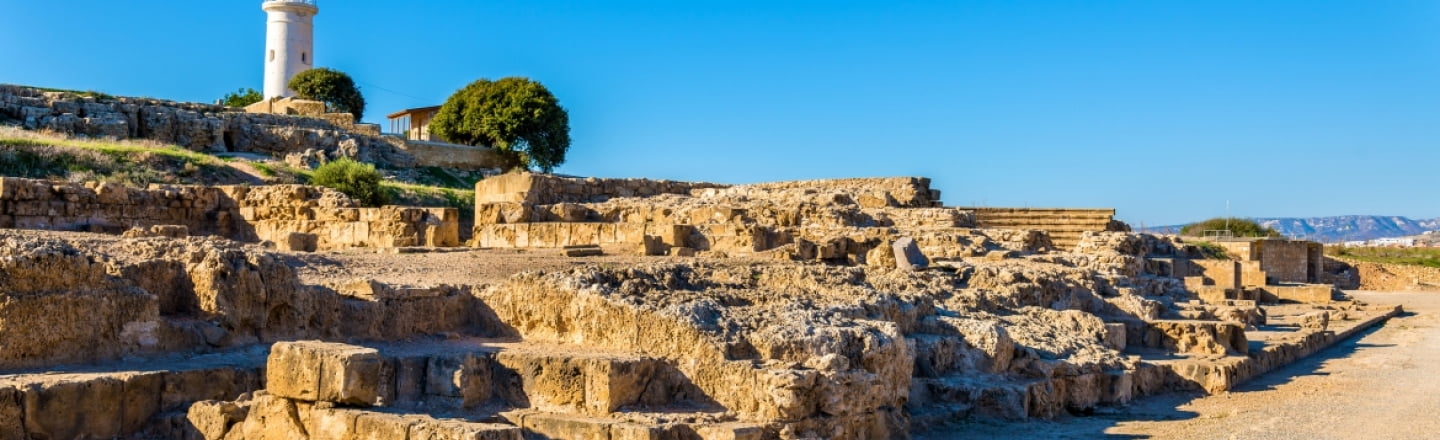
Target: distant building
414,123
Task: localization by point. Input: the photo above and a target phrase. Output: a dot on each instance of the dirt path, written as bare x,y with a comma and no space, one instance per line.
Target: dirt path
1384,384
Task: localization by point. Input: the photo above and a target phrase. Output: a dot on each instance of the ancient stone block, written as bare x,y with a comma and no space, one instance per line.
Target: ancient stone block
328,372
213,418
140,399
331,423
11,414
908,256
558,426
652,245
462,375
430,429
1115,335
74,408
272,418
582,251
381,426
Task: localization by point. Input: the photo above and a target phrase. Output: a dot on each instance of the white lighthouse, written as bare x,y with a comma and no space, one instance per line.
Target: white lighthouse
289,43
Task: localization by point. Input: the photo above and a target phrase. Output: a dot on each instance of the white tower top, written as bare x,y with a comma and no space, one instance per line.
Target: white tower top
289,43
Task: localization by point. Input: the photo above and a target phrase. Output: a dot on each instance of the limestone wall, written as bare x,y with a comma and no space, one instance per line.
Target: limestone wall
65,304
199,127
545,189
910,192
1283,261
440,154
275,213
1395,277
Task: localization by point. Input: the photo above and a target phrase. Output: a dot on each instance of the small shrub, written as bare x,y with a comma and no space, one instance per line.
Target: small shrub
242,97
358,180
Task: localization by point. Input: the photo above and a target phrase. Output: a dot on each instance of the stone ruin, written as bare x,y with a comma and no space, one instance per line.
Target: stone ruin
293,217
300,132
771,311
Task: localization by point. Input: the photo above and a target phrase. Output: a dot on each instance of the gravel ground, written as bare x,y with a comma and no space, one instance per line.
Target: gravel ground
1381,385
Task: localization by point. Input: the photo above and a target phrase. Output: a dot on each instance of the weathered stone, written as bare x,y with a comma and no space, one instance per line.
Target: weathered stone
327,372
213,419
908,255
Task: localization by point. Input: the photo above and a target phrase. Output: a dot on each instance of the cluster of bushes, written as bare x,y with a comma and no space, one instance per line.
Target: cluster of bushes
1240,227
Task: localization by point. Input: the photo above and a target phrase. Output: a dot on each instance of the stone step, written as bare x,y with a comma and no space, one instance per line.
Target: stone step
1062,225
120,399
467,374
1037,211
541,425
268,416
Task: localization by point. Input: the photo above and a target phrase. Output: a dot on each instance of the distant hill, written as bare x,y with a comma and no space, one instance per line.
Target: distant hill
1339,228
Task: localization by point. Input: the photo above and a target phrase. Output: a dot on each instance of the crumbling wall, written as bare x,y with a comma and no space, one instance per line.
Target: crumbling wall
1288,261
62,304
1394,277
439,154
546,189
870,192
276,213
198,127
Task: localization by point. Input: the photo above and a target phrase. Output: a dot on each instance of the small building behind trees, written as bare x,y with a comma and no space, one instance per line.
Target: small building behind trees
414,123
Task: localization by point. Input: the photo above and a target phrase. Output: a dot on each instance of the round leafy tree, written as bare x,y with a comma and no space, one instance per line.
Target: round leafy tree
358,180
515,116
1241,227
333,87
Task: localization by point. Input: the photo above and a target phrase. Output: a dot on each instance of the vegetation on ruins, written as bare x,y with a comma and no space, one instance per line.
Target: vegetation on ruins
518,117
33,155
1211,250
241,98
1414,256
333,87
358,180
1241,227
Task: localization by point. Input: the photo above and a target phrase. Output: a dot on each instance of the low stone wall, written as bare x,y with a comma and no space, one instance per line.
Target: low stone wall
873,192
1393,277
194,126
275,213
440,154
545,189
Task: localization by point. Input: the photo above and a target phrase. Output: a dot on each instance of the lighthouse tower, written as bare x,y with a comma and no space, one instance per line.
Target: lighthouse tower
289,43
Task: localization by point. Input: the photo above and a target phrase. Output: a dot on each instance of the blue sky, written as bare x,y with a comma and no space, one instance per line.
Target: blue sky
1162,109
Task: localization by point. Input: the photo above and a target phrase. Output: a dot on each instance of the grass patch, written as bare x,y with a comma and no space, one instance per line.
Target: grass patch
1427,257
435,176
38,156
1211,250
90,93
265,169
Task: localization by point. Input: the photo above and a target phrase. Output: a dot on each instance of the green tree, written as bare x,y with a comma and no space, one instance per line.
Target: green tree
241,98
358,180
516,116
333,87
1241,227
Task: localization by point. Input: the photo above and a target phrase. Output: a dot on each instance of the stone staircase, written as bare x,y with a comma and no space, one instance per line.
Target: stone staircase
1064,226
471,389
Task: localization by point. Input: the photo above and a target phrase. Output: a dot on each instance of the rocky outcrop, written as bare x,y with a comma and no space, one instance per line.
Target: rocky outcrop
320,218
198,127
